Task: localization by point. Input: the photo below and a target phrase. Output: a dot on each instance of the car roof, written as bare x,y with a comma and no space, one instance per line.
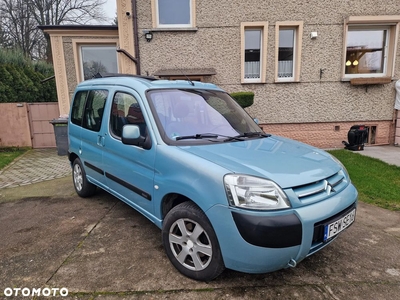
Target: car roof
145,83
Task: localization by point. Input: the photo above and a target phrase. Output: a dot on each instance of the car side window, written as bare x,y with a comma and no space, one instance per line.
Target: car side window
94,109
78,107
125,110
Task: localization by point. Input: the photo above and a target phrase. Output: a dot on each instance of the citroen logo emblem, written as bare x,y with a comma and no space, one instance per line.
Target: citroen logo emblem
328,187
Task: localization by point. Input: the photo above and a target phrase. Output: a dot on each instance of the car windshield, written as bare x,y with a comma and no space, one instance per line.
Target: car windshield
196,115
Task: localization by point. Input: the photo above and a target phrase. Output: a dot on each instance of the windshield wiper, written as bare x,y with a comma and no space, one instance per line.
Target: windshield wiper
197,136
241,137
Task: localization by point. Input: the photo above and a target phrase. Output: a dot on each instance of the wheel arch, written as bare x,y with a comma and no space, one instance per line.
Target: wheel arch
171,200
72,156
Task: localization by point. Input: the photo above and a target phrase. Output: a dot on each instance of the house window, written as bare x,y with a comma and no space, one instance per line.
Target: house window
288,51
366,50
252,53
174,13
254,47
96,59
369,46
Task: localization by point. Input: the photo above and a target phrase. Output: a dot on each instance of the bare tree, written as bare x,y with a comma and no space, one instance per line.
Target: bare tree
5,41
19,20
18,25
56,12
91,68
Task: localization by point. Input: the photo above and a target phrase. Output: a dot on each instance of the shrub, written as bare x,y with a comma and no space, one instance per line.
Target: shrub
13,57
20,79
44,68
244,99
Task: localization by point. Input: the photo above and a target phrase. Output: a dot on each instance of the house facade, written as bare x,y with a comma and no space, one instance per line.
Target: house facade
316,67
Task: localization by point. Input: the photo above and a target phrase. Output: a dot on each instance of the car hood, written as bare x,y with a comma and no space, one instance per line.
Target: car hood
289,163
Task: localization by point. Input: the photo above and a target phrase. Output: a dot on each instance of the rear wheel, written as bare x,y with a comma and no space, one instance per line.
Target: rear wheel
191,244
82,186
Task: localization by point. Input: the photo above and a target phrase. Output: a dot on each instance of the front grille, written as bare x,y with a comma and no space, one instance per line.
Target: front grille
321,189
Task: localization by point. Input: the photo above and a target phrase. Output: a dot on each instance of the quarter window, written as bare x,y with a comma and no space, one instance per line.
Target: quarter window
78,107
254,47
174,13
288,51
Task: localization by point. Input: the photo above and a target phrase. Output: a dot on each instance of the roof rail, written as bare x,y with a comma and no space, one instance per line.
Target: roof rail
98,75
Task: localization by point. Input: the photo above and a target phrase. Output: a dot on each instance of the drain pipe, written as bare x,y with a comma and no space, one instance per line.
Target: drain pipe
136,36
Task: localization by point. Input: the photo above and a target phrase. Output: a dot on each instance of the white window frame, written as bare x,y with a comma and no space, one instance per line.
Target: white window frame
156,19
391,24
297,26
385,50
263,26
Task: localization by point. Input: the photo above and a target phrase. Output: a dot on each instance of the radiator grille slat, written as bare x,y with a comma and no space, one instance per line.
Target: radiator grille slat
321,189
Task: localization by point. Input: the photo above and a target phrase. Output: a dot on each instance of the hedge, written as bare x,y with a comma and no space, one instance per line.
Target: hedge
244,99
20,79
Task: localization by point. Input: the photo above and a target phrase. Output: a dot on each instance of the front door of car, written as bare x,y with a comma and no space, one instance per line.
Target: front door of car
129,170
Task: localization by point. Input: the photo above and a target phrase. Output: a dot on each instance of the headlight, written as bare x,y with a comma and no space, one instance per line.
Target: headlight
254,193
341,164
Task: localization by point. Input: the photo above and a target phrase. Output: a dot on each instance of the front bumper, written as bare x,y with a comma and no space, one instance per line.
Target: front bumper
268,231
261,242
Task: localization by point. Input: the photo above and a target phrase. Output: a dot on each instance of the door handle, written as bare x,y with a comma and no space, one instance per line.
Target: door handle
100,140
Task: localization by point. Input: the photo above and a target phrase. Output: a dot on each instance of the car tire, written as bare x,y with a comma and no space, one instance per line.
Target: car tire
82,186
191,243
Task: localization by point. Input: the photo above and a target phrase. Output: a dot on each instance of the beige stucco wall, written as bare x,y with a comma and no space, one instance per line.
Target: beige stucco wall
71,58
216,44
64,45
306,111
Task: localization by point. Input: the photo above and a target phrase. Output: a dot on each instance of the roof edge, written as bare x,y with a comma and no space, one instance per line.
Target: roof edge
77,27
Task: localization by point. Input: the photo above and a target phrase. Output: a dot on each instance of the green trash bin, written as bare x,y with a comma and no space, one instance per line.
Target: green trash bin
61,133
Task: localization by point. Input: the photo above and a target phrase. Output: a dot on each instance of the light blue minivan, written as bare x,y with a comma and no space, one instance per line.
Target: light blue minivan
189,158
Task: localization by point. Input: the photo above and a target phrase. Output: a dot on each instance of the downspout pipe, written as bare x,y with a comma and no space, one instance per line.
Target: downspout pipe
136,36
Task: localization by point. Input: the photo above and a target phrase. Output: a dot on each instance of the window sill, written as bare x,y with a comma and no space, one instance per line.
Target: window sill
252,82
287,81
170,29
370,80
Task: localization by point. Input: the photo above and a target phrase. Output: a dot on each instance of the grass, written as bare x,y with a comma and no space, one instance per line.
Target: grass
377,182
7,155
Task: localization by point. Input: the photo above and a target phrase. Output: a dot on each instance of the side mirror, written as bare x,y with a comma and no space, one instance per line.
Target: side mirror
256,120
131,136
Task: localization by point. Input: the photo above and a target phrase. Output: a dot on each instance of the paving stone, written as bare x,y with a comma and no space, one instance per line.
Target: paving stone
35,166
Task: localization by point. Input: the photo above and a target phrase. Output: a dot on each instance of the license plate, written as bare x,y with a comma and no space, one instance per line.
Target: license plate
338,226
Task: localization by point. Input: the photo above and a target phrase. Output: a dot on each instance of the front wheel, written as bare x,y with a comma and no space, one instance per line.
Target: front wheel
191,244
82,186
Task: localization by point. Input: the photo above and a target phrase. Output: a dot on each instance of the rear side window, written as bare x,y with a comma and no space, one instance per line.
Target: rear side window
94,109
78,107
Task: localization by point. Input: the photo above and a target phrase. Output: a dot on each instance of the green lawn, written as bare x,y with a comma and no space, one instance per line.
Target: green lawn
7,155
377,182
